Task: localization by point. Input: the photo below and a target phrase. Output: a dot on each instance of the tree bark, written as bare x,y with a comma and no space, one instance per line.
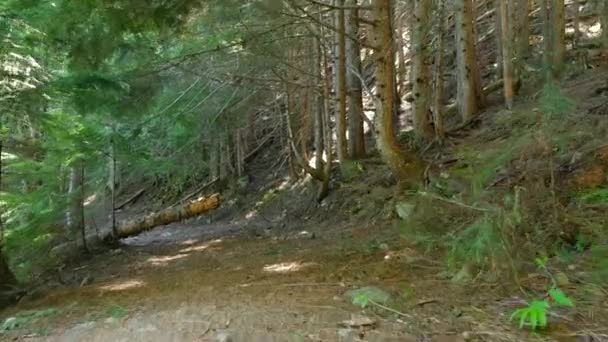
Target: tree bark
75,210
547,36
522,14
356,142
498,37
559,36
604,22
469,98
342,147
577,22
317,106
438,101
421,68
401,163
169,215
7,278
507,52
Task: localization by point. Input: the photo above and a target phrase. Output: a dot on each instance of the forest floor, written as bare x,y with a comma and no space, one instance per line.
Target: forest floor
275,282
188,282
285,268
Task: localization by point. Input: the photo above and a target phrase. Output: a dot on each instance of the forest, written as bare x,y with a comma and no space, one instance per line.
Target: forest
304,170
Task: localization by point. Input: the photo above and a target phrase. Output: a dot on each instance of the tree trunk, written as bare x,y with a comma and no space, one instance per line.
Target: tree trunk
7,278
400,163
559,36
169,215
341,123
317,107
577,23
547,36
438,79
521,11
356,142
421,68
469,98
604,21
498,37
401,69
507,52
75,210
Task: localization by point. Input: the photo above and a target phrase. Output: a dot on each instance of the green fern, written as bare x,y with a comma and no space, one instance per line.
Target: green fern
535,314
560,298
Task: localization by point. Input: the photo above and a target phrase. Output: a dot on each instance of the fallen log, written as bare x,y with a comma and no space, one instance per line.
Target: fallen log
168,215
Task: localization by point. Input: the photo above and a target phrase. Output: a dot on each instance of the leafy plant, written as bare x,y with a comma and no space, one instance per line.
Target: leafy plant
535,314
560,298
361,300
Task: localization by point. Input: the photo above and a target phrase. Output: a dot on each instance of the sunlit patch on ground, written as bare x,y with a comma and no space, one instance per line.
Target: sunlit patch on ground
164,260
286,267
200,247
123,285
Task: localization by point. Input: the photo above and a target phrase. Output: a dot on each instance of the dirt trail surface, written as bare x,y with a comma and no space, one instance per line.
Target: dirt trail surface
219,282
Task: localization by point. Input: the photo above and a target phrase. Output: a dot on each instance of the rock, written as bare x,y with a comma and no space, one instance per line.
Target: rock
404,210
346,335
223,336
306,235
384,247
561,279
464,276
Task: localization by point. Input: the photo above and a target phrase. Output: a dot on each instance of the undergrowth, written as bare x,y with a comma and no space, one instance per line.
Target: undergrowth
506,198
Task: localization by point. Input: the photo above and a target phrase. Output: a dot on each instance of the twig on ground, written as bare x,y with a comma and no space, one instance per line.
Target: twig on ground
447,200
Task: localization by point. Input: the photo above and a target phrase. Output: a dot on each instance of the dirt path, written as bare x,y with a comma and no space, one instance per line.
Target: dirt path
192,282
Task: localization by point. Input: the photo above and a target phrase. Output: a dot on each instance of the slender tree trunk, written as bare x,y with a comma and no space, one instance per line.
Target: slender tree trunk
604,21
421,67
112,181
324,188
317,102
577,22
81,224
498,37
402,69
238,155
342,147
559,36
438,79
468,98
7,278
547,36
75,212
522,13
356,143
506,29
398,160
214,158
